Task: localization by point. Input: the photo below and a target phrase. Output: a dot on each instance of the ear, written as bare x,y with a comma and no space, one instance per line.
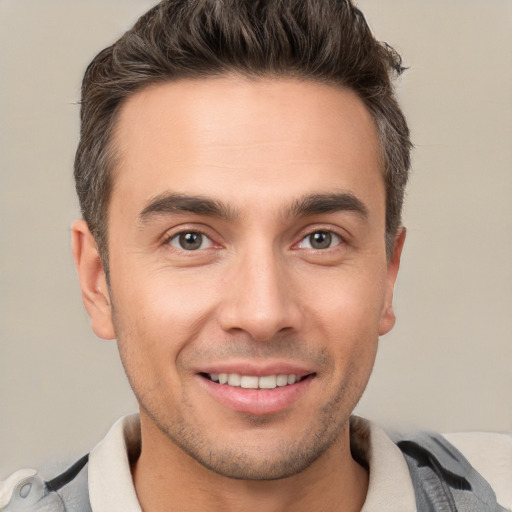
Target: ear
95,292
387,320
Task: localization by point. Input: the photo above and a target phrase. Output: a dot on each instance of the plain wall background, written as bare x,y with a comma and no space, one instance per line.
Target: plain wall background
446,365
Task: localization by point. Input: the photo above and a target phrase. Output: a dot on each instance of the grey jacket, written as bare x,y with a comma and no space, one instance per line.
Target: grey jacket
443,480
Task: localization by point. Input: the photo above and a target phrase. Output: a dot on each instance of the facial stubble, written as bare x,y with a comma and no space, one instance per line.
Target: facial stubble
254,460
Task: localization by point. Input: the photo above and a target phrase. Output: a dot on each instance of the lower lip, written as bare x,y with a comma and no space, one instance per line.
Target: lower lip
256,401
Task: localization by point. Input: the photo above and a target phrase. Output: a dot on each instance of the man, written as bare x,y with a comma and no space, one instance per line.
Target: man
241,172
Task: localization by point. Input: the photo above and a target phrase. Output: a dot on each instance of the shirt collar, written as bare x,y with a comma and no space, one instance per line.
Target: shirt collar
110,478
111,485
390,486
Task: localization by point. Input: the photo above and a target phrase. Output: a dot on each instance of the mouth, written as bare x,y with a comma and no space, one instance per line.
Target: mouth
254,382
257,394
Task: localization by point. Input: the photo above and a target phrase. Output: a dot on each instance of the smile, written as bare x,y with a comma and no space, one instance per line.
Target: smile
265,393
253,382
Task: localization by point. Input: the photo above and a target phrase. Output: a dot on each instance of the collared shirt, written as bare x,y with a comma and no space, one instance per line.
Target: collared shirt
390,487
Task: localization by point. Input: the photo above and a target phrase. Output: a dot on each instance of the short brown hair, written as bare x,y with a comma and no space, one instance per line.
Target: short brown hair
327,41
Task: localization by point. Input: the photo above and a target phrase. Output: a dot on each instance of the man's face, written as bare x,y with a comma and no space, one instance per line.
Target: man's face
246,242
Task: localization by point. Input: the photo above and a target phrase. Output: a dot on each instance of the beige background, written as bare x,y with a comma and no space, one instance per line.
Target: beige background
448,363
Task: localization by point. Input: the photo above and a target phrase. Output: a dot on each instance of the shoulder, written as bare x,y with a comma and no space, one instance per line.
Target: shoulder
491,455
28,490
104,476
476,467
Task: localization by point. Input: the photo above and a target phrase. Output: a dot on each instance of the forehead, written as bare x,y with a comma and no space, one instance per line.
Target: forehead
236,137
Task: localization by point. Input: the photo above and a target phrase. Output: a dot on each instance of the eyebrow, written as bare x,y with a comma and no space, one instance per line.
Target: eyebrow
327,203
313,204
172,203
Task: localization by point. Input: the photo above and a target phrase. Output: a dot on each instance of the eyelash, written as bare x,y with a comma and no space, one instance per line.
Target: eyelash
331,237
176,237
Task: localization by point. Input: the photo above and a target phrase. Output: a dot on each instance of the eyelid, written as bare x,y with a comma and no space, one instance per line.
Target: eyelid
176,231
204,239
341,240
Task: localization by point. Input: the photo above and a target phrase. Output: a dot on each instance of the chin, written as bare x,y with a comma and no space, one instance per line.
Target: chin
261,455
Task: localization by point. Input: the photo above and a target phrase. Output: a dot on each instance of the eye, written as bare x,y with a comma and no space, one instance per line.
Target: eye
190,241
320,240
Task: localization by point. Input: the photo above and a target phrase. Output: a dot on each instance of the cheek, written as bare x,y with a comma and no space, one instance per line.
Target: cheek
159,313
347,320
349,301
164,298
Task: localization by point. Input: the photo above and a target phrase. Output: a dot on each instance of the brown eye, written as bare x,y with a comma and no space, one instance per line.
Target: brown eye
190,241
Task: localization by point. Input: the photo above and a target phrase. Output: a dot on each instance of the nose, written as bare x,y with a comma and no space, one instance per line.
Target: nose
261,298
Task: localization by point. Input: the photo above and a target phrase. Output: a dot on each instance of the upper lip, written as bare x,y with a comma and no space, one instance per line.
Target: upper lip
258,369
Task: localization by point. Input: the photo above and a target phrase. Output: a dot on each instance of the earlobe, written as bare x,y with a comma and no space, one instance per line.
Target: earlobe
93,282
388,318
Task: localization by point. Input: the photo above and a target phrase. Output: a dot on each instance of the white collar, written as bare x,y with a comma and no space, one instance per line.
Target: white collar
390,486
110,478
111,485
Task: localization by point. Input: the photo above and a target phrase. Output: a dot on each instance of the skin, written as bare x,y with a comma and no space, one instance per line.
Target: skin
257,294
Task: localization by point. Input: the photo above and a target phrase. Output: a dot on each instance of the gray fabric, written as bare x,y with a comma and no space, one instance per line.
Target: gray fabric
76,494
31,494
443,479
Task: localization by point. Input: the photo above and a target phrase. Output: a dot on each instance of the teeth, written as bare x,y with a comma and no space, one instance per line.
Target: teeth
249,382
268,382
234,379
282,380
252,382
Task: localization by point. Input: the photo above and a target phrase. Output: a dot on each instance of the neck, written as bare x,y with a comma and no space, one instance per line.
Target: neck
164,475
